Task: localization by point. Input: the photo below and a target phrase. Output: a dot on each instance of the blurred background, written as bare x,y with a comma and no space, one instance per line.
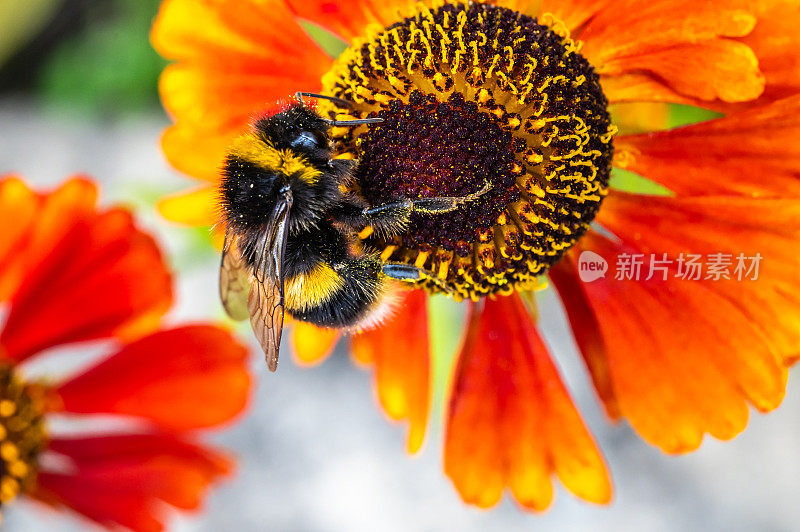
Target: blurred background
78,93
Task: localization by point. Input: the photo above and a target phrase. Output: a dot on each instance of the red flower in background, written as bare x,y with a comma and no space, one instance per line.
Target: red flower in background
71,272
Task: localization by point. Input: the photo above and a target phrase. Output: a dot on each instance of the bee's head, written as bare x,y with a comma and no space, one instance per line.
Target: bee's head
297,128
291,148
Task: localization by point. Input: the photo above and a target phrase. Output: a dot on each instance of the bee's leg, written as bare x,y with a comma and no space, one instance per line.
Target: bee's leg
408,272
435,205
392,218
402,271
444,204
388,219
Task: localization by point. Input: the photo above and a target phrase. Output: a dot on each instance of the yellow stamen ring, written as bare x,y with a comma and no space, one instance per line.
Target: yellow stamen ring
470,93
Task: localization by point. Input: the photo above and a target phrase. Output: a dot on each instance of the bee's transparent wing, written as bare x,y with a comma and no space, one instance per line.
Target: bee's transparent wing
234,280
265,303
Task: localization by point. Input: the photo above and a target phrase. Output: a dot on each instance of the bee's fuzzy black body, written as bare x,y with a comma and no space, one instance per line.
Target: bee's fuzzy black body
291,232
322,222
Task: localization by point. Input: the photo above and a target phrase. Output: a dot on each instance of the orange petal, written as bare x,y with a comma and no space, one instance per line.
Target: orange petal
659,24
774,41
220,100
18,208
400,350
123,480
638,87
196,207
640,117
719,69
730,155
186,378
75,258
668,365
349,19
238,65
677,369
730,225
312,344
511,422
234,31
587,333
679,43
573,13
197,151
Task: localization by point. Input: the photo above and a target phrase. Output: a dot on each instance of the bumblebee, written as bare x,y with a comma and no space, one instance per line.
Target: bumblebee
291,228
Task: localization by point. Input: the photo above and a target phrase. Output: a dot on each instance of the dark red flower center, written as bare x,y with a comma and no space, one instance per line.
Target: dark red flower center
430,148
471,94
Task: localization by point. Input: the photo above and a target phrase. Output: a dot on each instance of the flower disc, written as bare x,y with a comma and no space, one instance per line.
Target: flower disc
474,94
22,433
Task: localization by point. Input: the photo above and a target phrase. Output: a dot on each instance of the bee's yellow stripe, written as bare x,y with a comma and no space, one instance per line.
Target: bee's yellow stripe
254,150
309,290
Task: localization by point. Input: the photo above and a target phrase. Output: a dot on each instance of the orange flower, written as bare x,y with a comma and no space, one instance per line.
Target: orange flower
482,91
70,273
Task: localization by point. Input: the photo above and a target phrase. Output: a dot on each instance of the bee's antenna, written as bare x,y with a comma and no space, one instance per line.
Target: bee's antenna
338,101
341,103
360,121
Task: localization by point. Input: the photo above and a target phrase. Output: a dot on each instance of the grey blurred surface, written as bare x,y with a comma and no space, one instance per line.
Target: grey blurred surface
315,454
